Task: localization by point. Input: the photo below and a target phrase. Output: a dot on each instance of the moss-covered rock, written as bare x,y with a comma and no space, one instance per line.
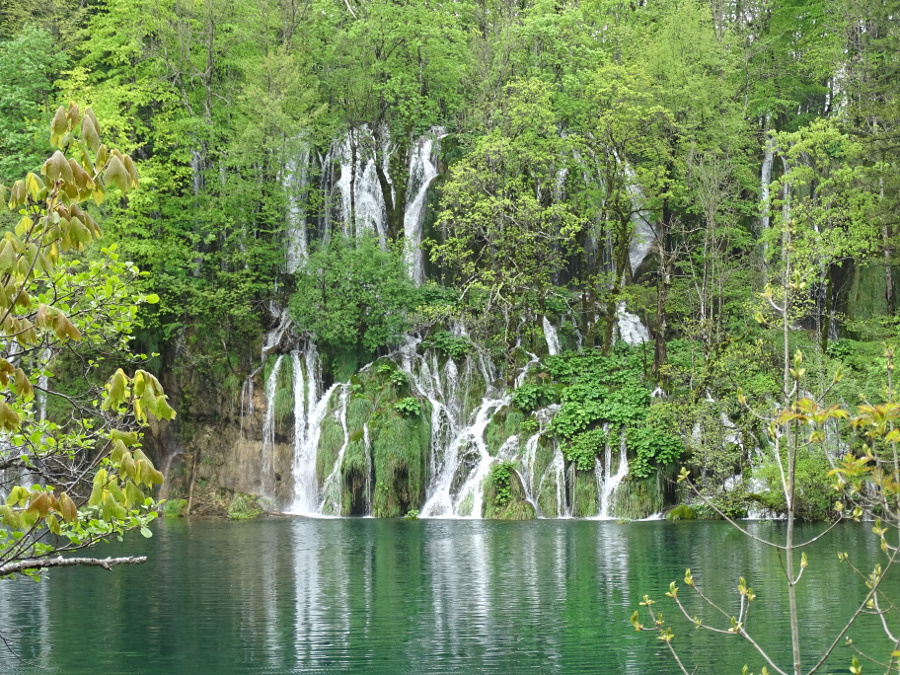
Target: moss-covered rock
331,440
357,469
682,512
550,494
510,505
400,448
505,423
587,496
639,497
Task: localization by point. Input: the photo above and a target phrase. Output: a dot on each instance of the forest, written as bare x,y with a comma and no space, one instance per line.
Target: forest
623,233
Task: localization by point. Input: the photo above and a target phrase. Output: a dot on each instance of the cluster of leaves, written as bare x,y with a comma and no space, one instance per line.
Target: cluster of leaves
583,448
451,346
651,447
599,395
531,396
409,406
501,480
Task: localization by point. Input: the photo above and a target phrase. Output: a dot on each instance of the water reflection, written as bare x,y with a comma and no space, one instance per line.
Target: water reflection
435,596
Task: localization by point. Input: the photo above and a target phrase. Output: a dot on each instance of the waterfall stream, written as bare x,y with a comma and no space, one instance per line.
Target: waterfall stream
609,481
268,431
551,337
422,172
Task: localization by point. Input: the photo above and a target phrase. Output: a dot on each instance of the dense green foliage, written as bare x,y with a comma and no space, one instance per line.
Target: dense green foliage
352,294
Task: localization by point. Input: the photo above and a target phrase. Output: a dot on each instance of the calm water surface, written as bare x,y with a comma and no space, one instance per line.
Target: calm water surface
430,596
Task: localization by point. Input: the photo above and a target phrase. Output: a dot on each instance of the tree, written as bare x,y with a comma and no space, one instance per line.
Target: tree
506,229
352,295
624,136
71,453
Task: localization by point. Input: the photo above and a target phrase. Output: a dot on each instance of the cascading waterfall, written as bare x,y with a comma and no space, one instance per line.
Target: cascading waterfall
459,460
643,235
609,481
306,436
331,488
551,336
362,204
422,172
297,187
556,471
526,473
466,448
274,337
268,465
632,330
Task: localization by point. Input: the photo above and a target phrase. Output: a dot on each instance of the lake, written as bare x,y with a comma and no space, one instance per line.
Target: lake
298,595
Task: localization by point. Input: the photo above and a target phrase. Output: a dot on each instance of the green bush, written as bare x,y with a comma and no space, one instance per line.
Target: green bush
245,507
174,508
501,479
682,512
583,448
450,346
651,447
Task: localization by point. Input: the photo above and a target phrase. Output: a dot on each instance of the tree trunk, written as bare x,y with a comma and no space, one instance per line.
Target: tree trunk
663,283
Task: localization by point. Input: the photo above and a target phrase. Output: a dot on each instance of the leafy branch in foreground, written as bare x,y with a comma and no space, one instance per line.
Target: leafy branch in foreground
76,475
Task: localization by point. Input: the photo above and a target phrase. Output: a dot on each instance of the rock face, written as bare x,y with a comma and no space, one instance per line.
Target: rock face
226,454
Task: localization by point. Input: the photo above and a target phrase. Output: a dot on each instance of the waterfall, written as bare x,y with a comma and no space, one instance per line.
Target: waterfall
459,460
331,488
309,411
632,330
557,471
274,337
642,235
246,401
527,472
520,378
362,204
297,188
300,397
370,468
551,337
422,172
609,481
267,480
467,448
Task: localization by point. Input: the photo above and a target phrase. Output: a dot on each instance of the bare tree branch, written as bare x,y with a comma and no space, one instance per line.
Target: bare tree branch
42,563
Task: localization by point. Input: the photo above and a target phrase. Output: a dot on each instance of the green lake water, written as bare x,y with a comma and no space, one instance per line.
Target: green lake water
296,595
